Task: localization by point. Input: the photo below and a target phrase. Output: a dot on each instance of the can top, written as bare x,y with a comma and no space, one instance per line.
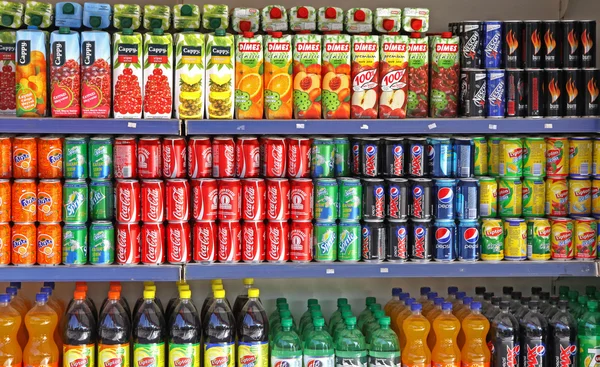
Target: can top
291,180
536,138
492,21
325,224
128,180
536,219
76,137
591,69
472,21
398,221
445,181
191,138
380,180
468,222
491,220
75,183
439,138
532,21
513,21
421,220
585,219
397,179
102,137
416,138
580,138
421,179
568,21
462,138
560,219
50,137
474,69
232,179
340,139
486,179
347,224
393,138
536,69
328,181
470,179
444,221
75,226
321,140
370,138
102,182
534,178
53,180
551,21
514,220
102,223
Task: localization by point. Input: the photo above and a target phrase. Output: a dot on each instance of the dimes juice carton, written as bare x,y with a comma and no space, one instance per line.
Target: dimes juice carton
278,76
249,76
127,62
336,76
12,14
307,76
245,20
418,78
274,18
445,73
359,20
415,20
303,18
220,72
330,19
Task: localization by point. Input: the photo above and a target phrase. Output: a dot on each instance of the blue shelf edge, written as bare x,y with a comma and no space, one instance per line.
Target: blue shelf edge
16,125
91,273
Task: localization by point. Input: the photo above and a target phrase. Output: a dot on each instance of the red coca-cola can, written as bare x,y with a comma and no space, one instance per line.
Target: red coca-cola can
273,156
127,193
253,241
230,203
301,199
149,157
153,243
127,244
254,195
298,157
200,157
223,150
205,198
125,157
174,155
153,201
230,241
278,199
277,241
247,155
205,238
301,241
178,199
179,243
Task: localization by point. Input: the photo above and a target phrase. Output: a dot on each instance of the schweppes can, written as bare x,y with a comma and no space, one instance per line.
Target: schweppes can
596,157
493,155
488,197
580,156
538,239
510,157
580,196
585,238
492,239
510,197
596,196
515,239
534,157
557,197
557,157
481,156
561,239
534,196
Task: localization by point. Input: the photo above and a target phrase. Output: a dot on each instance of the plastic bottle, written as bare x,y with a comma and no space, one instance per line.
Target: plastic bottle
58,306
581,307
114,332
433,314
10,323
79,335
350,347
219,333
416,328
242,298
535,292
553,306
342,304
148,286
588,336
26,301
458,305
392,302
149,333
452,294
544,302
116,287
209,300
524,309
58,330
515,301
41,321
445,328
494,308
184,330
175,300
366,312
475,350
562,345
286,348
487,302
507,293
275,314
341,326
400,320
397,310
505,338
461,315
309,328
82,287
590,291
385,346
306,318
372,326
370,317
319,349
430,304
573,297
253,332
534,337
19,305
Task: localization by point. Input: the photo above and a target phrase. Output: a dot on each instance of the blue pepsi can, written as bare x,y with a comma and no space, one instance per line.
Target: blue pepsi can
492,44
496,96
467,199
444,240
463,158
397,240
443,204
439,156
468,240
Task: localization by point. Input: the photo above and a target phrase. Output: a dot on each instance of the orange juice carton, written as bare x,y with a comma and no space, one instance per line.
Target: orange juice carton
303,18
388,20
220,74
307,76
330,19
127,60
359,20
393,72
13,13
365,77
249,76
215,16
278,76
415,20
274,18
336,76
245,20
418,76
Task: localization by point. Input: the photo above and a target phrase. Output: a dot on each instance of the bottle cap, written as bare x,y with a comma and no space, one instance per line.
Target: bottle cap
342,301
488,295
425,290
316,313
318,321
545,296
370,300
350,320
220,32
148,294
590,289
345,307
404,296
452,290
114,295
533,304
416,306
286,322
116,287
180,282
504,304
68,8
516,295
77,295
147,284
446,306
302,13
46,290
150,288
507,290
41,297
183,287
525,300
247,34
4,298
312,301
281,300
416,24
582,300
536,290
186,10
114,283
385,321
253,292
460,295
375,306
220,293
410,301
415,35
81,286
50,284
276,34
449,35
216,287
388,24
330,13
248,281
573,294
283,306
314,307
476,306
467,300
563,289
563,303
95,21
592,305
216,281
285,313
35,20
347,314
479,290
275,13
396,292
187,294
432,295
438,301
359,16
12,291
127,31
378,314
18,284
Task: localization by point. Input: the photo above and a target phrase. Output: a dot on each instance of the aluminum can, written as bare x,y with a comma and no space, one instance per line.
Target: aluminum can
24,157
511,157
49,244
516,92
355,147
371,157
205,199
588,43
127,194
229,235
534,197
561,238
557,154
394,157
494,155
513,44
247,153
496,93
590,83
349,242
492,44
467,199
554,85
223,157
127,243
174,157
325,239
205,241
468,240
573,101
23,236
515,239
74,244
50,153
302,199
326,200
551,44
472,44
397,240
480,157
102,197
473,99
350,197
443,203
24,201
571,38
580,156
445,237
322,158
230,203
277,238
533,44
492,239
535,93
596,157
580,197
153,201
301,241
420,202
463,158
152,244
75,201
510,197
179,243
5,243
299,157
125,157
397,198
149,157
254,199
75,157
200,157
253,241
342,157
417,161
49,201
596,197
488,197
534,157
557,197
373,241
278,199
421,240
5,201
538,239
100,158
6,157
584,238
274,157
440,157
102,243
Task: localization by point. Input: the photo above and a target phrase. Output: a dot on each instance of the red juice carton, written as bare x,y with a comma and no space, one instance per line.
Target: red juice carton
330,19
303,18
336,76
445,75
415,20
365,77
274,19
307,76
64,73
393,72
418,76
12,11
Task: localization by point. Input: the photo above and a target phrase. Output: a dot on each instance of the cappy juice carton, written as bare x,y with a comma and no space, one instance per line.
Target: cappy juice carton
274,18
415,20
336,76
307,76
249,76
330,19
303,18
278,76
418,77
11,14
445,75
220,75
215,16
245,20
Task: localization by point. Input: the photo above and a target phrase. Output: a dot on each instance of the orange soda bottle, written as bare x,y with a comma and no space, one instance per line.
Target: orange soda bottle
60,302
41,320
430,304
27,301
56,306
452,290
396,310
461,314
475,352
393,302
416,353
400,320
10,321
445,327
17,302
424,291
458,304
431,316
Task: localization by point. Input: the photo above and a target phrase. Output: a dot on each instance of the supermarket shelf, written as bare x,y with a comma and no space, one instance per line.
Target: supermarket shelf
408,126
393,270
89,126
89,273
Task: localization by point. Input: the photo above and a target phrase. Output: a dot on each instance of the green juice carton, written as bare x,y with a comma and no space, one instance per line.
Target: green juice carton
245,20
127,16
388,20
307,76
359,20
303,18
215,16
336,76
415,20
11,14
220,74
330,19
274,18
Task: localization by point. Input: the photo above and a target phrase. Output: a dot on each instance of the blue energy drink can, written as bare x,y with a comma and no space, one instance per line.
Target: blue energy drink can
439,156
463,157
468,240
496,96
444,240
444,196
467,199
492,44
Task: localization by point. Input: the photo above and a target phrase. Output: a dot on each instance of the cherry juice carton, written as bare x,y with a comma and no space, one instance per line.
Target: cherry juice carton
418,76
13,13
445,75
415,20
330,19
307,76
245,20
303,18
249,94
278,76
336,76
274,19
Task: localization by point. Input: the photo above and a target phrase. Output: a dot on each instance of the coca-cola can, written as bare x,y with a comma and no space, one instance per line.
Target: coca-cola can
223,151
149,157
247,155
254,195
125,157
205,236
205,198
298,157
127,244
179,243
273,156
153,243
230,241
301,199
127,194
253,241
277,241
178,199
153,201
230,205
200,157
301,241
278,199
174,154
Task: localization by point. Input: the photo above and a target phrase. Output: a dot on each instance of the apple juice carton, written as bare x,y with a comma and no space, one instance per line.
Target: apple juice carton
220,74
215,16
12,15
418,76
249,76
278,76
245,20
445,74
303,18
274,19
330,19
307,76
336,76
415,20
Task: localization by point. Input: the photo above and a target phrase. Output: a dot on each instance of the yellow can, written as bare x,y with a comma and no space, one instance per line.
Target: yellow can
510,157
596,196
596,157
557,197
585,238
534,196
557,157
580,156
480,162
580,196
493,155
488,197
515,239
510,197
561,239
534,157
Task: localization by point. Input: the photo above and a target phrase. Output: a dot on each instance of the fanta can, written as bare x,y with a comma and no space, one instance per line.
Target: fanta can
5,243
510,157
534,157
23,244
585,238
480,162
595,155
488,199
24,155
557,162
515,239
5,156
580,196
534,196
492,239
557,197
580,156
493,155
561,239
41,321
49,244
50,154
5,200
24,201
510,197
475,326
49,197
595,197
538,239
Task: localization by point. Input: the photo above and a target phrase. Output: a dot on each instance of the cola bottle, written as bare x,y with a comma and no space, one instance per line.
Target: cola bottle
534,337
563,337
505,338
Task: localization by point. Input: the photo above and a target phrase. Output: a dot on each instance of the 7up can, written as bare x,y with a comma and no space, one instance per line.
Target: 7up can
323,158
480,162
101,158
510,197
102,243
538,239
75,201
325,249
348,242
326,200
75,153
75,244
101,200
492,239
534,196
534,157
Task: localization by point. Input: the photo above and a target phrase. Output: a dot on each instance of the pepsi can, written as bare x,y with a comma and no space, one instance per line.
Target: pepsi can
355,147
420,240
373,241
418,165
393,157
463,159
420,202
496,96
397,240
369,157
373,199
439,156
492,44
444,240
397,198
443,204
468,240
467,199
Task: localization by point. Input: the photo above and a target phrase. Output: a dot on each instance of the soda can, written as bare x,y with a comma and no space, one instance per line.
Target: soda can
49,244
102,243
100,157
534,197
370,157
557,162
443,204
301,241
585,238
75,244
322,158
325,249
533,44
50,153
554,85
571,55
302,193
230,203
467,199
75,158
397,240
277,238
253,197
463,157
420,240
510,197
513,44
480,156
440,157
125,157
373,241
5,243
596,197
179,244
580,156
278,199
23,240
200,157
75,201
492,44
152,244
102,200
580,197
397,198
326,200
494,155
534,157
49,197
273,151
373,199
223,157
488,197
24,201
205,198
516,92
472,44
253,241
535,93
538,239
572,103
149,157
127,201
596,157
551,44
342,157
350,197
515,239
417,164
468,240
444,245
473,92
557,197
349,242
588,43
561,239
247,156
299,157
24,157
153,201
6,157
496,95
420,202
591,91
511,157
393,157
229,235
127,243
205,241
5,201
492,239
355,146
174,157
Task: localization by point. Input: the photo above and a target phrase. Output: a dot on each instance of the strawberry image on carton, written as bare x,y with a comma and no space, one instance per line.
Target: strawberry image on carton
365,77
393,71
336,76
307,76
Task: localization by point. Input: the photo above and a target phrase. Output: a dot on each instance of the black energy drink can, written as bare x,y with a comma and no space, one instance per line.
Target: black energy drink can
471,40
551,44
394,157
590,89
421,240
373,240
397,240
516,98
573,89
554,92
571,49
513,44
588,43
473,86
533,44
535,92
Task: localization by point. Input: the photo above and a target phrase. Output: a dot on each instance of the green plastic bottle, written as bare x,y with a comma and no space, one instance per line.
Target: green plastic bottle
276,326
366,312
306,318
590,291
350,347
589,336
385,347
318,346
573,296
341,325
306,315
372,325
309,328
286,349
338,313
337,317
581,307
275,314
368,317
563,292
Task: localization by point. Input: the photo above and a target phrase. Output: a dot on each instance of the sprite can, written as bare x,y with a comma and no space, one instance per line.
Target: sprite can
510,197
510,157
325,242
534,197
102,243
534,157
342,157
515,240
75,158
350,192
348,242
492,239
101,200
538,239
493,155
326,200
101,158
323,158
488,199
481,156
75,201
75,244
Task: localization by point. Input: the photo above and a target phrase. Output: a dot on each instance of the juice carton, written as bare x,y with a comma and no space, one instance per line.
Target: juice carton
388,20
39,14
215,16
415,20
393,71
186,17
220,56
12,16
249,76
359,20
68,15
274,18
278,76
365,77
127,16
307,76
303,18
245,20
157,17
418,76
336,76
330,19
96,15
65,87
445,75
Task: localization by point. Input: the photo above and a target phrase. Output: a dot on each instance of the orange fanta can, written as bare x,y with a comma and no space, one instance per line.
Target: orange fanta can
24,201
475,352
4,243
25,157
445,328
49,244
41,321
10,321
49,201
416,353
5,201
50,154
5,156
23,242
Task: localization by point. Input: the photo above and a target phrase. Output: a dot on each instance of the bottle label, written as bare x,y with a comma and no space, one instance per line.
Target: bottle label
286,362
53,364
323,361
443,364
475,364
507,353
253,354
358,361
589,351
219,355
116,355
149,355
79,355
184,355
535,353
566,353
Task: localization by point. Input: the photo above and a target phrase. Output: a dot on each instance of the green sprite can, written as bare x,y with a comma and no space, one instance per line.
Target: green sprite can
492,239
325,241
342,157
101,158
348,242
322,158
493,144
534,156
75,201
102,243
101,200
326,200
510,197
75,158
538,239
480,162
534,197
350,191
75,244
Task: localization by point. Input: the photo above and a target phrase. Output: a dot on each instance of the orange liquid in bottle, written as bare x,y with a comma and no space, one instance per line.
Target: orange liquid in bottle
41,320
416,353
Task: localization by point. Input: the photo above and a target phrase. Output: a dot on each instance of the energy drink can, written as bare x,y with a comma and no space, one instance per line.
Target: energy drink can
397,198
534,156
439,154
510,197
588,43
561,239
492,239
421,240
538,239
467,199
444,190
494,155
510,160
534,196
580,197
468,240
373,241
463,158
420,202
515,239
551,44
492,44
480,167
370,157
573,89
591,91
473,93
554,92
393,157
513,44
535,92
516,97
418,166
580,156
445,237
488,197
571,55
373,199
397,240
472,41
533,44
496,95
